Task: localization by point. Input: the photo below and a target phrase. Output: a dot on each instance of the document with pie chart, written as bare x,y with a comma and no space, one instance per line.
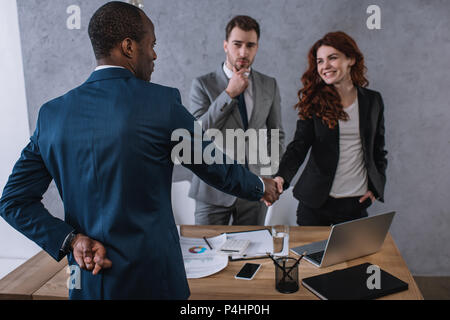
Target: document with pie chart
199,259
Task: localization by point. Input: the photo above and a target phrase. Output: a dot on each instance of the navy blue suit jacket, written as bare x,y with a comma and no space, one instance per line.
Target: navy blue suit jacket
107,144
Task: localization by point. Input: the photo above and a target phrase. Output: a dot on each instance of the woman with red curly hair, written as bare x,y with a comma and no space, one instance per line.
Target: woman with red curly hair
342,123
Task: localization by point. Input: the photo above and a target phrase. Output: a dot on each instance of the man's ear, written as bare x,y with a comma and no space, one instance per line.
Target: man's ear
225,46
128,48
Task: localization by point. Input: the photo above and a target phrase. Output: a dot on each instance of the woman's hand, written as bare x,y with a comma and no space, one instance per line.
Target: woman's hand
368,194
280,182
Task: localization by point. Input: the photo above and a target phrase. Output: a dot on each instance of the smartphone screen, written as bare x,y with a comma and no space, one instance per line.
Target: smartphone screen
248,271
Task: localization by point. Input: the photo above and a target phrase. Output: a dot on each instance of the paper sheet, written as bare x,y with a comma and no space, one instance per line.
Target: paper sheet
260,243
201,261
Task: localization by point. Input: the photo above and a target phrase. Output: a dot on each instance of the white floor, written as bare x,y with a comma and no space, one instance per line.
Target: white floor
8,265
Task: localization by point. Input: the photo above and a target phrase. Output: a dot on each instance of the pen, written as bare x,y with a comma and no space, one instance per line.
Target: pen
275,261
204,238
293,267
297,262
278,265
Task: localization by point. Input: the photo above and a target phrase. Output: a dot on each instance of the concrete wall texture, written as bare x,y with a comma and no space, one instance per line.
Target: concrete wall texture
406,60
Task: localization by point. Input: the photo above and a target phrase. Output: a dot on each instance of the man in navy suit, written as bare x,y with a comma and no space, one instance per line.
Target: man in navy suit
107,144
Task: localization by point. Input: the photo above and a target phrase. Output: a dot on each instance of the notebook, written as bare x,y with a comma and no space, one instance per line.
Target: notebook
353,284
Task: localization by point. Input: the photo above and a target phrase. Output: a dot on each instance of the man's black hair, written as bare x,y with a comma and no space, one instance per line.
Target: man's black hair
112,23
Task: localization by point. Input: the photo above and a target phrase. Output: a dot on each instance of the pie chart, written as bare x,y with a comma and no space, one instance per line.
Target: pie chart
197,249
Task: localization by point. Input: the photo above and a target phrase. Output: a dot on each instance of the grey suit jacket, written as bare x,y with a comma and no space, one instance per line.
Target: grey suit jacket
210,104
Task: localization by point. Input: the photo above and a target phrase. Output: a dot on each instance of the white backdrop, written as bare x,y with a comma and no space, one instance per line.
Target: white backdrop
14,129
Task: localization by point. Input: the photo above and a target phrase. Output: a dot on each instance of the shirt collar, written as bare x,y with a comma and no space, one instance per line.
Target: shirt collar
109,73
106,66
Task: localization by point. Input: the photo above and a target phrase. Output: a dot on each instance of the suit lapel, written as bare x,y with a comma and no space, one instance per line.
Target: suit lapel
222,80
363,109
259,115
256,96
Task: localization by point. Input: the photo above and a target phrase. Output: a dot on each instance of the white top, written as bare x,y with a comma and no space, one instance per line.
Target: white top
351,174
248,93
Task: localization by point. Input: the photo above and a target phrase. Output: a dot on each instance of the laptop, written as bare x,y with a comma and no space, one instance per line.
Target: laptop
348,240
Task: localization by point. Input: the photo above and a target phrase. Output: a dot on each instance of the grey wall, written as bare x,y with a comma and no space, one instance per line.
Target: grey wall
407,62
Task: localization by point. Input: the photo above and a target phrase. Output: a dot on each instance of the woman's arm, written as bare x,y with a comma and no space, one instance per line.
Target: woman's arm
296,151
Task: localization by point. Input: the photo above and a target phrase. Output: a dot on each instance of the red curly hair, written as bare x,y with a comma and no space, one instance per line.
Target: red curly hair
320,99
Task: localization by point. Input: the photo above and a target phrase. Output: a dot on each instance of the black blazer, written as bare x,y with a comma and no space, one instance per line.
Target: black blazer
314,185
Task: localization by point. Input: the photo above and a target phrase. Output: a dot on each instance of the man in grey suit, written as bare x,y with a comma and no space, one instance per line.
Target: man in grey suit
236,97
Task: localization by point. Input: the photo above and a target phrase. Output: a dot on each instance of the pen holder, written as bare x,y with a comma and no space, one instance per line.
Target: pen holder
286,275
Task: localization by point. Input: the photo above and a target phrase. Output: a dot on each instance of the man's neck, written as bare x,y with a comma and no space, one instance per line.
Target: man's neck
228,65
109,61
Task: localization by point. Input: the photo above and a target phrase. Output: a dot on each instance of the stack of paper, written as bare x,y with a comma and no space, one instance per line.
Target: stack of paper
260,243
201,260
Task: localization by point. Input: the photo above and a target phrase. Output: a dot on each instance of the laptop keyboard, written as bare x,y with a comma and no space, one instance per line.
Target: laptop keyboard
317,256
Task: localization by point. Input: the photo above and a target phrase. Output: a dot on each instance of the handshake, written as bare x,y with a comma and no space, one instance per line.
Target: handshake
273,188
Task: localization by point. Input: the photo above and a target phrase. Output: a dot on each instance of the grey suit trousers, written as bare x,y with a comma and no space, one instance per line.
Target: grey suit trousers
243,212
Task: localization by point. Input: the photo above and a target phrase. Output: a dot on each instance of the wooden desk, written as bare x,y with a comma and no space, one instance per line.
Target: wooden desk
41,277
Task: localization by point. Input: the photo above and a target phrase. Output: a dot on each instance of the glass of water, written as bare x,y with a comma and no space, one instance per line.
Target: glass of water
280,235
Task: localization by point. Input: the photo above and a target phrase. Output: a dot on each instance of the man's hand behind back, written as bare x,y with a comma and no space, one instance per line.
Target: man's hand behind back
90,254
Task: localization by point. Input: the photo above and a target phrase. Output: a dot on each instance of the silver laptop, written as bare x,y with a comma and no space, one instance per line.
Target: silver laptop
348,240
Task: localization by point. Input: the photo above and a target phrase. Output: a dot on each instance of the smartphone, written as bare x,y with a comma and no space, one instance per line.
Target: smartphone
248,271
